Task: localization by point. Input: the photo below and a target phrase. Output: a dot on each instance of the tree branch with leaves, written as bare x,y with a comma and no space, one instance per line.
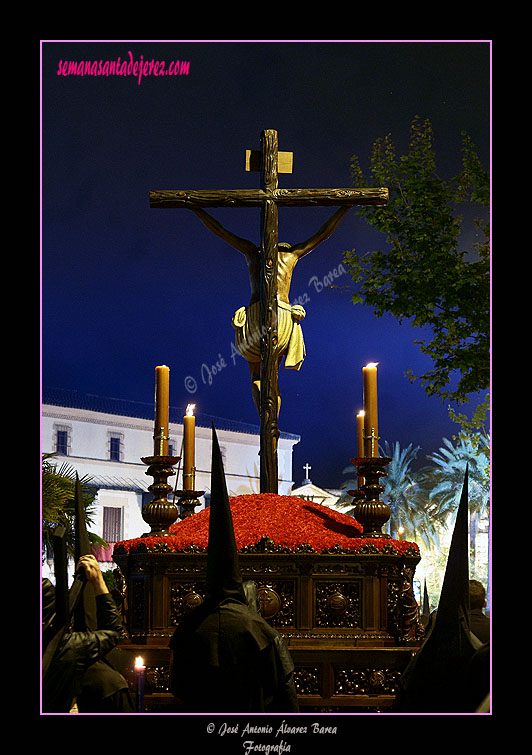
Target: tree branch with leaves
422,275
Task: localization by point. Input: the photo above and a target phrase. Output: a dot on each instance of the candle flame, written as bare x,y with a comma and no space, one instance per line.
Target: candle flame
139,662
361,413
372,365
190,410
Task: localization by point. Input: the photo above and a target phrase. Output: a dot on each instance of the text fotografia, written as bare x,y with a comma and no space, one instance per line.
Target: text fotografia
284,729
208,371
126,67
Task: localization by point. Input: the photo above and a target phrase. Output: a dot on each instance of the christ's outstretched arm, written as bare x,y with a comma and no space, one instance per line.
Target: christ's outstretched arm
324,232
242,245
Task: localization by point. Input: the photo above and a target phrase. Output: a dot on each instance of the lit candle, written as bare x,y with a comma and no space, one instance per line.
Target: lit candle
139,675
371,422
189,427
162,408
360,434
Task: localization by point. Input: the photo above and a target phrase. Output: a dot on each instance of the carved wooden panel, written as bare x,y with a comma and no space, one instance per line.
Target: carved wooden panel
277,599
338,604
307,680
137,604
349,681
157,679
184,596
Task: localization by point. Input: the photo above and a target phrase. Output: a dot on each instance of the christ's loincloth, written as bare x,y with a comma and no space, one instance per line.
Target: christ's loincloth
246,322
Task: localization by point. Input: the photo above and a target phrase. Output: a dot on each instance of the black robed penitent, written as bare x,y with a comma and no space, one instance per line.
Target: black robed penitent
435,679
225,656
74,663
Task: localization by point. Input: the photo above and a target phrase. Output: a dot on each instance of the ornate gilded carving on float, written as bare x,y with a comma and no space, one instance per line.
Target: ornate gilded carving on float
307,680
406,619
270,602
120,598
138,604
277,602
184,596
157,679
349,681
337,604
347,568
250,570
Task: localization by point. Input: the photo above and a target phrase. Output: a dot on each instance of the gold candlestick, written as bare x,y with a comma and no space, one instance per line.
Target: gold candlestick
160,513
369,511
188,499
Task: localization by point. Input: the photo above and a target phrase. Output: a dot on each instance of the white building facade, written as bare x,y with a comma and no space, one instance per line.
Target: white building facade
105,439
311,492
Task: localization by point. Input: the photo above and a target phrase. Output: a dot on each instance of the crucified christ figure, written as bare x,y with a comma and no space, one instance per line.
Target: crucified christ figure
247,320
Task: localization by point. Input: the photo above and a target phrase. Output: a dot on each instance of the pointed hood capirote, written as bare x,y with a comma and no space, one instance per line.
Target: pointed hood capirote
425,612
217,661
433,680
452,615
223,572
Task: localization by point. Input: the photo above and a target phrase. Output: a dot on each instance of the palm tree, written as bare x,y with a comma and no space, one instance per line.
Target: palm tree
58,489
442,482
412,511
398,481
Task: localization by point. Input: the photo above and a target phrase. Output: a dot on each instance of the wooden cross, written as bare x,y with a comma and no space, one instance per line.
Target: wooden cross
269,197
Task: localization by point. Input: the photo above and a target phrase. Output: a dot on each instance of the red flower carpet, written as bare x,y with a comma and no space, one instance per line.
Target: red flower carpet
281,523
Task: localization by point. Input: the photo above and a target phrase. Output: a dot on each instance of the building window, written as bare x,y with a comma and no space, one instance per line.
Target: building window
62,440
115,447
112,524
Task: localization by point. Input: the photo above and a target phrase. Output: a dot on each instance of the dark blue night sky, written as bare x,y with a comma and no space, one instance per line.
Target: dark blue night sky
126,287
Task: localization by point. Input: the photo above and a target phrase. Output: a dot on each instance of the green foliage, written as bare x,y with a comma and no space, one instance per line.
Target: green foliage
443,480
470,427
422,276
424,501
58,490
412,512
410,509
442,483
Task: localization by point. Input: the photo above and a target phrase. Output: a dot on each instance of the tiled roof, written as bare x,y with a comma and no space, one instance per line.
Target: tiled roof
140,410
118,483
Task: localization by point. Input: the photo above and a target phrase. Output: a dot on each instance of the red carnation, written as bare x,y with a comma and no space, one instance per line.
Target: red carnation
285,523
